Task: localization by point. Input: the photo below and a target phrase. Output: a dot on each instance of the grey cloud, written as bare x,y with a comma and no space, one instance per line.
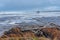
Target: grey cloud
28,4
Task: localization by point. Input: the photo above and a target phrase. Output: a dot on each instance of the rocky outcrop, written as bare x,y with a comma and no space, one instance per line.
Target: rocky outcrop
52,33
16,32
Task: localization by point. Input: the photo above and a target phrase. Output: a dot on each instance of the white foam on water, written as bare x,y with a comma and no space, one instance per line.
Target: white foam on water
19,17
25,16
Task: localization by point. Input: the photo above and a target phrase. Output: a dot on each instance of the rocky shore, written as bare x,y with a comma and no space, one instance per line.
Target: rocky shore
41,33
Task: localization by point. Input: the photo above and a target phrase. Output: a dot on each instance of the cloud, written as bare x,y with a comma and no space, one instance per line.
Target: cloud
52,8
28,4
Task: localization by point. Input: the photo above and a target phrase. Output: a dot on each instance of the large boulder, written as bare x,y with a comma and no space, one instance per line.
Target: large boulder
17,32
52,33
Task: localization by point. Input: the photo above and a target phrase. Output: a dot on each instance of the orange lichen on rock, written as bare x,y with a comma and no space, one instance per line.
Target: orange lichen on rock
51,32
28,34
16,32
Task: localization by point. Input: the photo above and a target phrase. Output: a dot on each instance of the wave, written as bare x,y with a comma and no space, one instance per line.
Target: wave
19,17
7,19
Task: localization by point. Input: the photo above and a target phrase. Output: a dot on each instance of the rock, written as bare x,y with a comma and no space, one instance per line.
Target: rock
51,32
17,32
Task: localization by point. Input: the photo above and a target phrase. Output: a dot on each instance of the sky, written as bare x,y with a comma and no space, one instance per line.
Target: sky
20,5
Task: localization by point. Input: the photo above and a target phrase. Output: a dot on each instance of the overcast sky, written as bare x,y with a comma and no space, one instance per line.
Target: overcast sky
18,5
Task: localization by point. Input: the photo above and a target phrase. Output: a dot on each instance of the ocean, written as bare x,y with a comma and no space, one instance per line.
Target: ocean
7,19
